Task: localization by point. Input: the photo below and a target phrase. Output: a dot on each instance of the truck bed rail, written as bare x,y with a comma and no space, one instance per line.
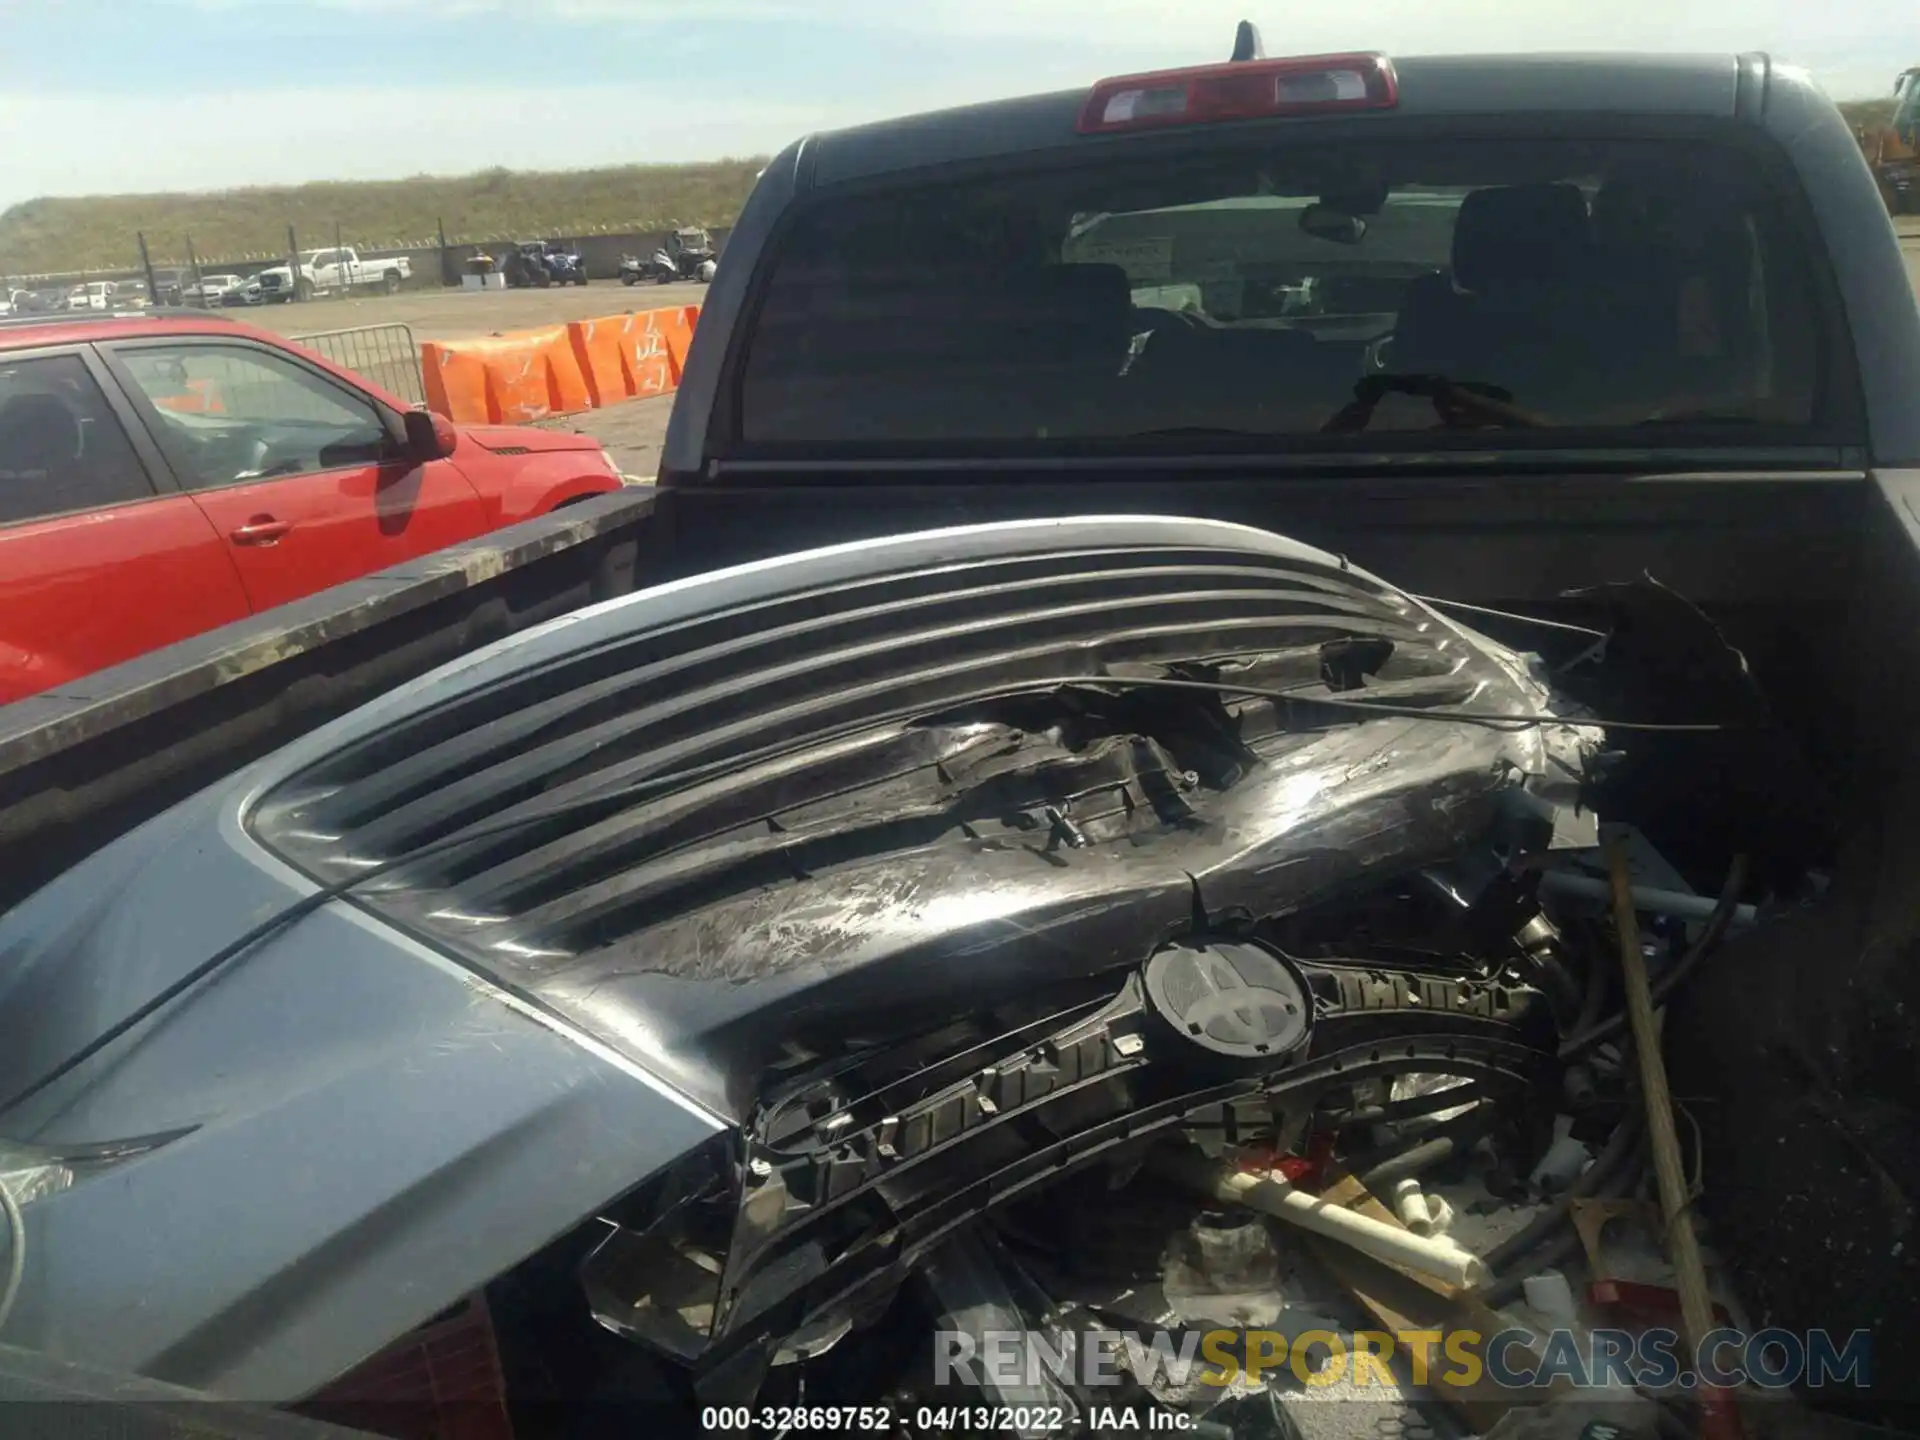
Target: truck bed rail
85,762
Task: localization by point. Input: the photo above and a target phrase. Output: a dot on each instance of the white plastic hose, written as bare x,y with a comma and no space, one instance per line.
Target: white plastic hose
1410,1204
1435,1255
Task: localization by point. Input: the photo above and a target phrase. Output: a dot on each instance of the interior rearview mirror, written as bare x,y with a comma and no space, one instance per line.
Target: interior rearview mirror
1323,222
430,436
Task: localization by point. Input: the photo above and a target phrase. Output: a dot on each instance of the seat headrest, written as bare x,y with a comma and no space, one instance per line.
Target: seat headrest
37,430
1664,214
1521,235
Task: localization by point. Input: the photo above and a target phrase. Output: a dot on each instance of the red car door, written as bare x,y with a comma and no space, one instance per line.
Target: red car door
97,563
304,477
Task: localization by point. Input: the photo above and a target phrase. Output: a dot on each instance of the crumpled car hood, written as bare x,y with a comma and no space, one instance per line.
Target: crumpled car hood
882,827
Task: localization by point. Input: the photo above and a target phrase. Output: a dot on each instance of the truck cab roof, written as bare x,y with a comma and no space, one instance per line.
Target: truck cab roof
1436,87
1788,145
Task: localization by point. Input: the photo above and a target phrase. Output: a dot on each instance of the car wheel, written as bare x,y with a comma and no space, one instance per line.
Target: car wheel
392,282
303,290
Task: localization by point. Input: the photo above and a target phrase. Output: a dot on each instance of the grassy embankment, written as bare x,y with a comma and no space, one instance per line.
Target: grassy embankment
54,236
59,236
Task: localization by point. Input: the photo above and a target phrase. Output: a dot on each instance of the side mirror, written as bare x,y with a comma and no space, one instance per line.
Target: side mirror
430,436
1323,222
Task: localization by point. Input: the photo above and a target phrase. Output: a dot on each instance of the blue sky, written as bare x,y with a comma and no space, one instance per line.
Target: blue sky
100,96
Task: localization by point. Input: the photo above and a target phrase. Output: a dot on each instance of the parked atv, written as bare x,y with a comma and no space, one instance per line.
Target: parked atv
566,267
542,263
687,255
525,266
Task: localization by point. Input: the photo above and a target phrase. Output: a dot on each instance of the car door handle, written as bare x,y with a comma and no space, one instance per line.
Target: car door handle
260,530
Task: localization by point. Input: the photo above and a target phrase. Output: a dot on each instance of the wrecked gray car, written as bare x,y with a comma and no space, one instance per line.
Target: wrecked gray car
740,981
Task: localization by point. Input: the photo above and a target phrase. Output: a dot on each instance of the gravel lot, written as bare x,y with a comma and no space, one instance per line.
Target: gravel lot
632,432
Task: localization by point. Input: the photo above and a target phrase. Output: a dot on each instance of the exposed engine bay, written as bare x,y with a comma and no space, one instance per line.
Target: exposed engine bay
1004,993
1018,1170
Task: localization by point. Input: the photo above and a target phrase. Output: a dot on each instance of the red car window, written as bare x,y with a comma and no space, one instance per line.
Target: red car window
61,447
232,415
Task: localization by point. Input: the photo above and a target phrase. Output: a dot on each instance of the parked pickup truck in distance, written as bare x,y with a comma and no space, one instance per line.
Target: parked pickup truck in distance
321,271
93,295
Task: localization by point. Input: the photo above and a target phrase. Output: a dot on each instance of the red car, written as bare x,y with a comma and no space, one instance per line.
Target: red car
161,475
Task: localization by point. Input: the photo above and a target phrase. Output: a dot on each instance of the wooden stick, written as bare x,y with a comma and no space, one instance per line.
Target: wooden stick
1696,1303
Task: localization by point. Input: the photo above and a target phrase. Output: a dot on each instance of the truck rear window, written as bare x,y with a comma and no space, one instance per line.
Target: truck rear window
1344,288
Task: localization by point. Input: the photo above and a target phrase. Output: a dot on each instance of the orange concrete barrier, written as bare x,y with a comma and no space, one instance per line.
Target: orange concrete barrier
508,379
680,335
202,398
623,357
530,374
455,380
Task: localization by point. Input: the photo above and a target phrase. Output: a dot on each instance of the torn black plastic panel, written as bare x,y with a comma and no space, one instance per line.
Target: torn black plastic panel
941,785
849,1175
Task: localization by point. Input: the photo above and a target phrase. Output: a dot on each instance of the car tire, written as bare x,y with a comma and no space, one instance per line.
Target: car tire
303,290
391,282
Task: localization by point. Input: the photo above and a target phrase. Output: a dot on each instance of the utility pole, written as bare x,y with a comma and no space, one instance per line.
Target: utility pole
193,267
146,264
293,265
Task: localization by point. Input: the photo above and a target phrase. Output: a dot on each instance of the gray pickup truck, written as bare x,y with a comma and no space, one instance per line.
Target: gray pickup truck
979,810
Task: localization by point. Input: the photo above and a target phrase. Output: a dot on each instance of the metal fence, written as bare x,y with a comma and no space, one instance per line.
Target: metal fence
384,354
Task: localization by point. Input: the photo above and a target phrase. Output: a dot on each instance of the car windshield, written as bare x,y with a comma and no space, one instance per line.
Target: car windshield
1295,293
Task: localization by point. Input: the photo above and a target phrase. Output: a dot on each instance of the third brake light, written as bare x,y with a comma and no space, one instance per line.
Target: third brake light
1241,90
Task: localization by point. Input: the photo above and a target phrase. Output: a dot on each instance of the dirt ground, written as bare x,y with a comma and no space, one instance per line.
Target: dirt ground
632,432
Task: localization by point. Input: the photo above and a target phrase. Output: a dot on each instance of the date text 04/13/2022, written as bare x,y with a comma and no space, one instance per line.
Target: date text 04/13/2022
880,1419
